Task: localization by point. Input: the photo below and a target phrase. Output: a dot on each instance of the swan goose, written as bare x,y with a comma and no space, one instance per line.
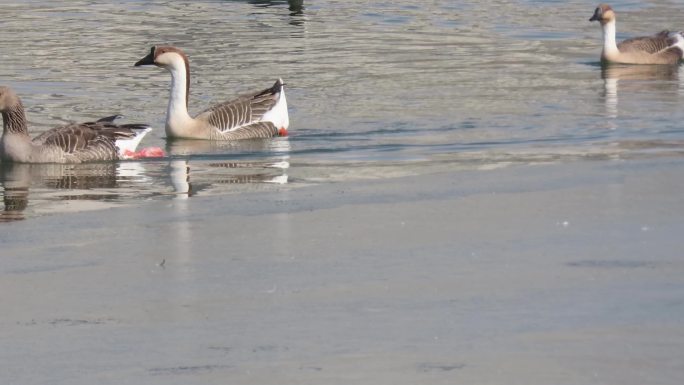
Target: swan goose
663,48
71,143
260,114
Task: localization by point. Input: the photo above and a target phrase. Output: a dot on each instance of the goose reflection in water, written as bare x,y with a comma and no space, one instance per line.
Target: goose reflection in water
636,79
295,6
14,195
78,182
189,180
208,169
270,147
195,166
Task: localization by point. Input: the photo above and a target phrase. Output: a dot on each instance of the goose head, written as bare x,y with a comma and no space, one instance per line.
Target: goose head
166,57
603,14
176,62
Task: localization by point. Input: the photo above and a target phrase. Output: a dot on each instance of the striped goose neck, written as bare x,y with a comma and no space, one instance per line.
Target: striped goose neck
14,119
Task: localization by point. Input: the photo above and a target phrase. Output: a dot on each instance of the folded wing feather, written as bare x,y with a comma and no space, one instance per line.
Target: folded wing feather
241,111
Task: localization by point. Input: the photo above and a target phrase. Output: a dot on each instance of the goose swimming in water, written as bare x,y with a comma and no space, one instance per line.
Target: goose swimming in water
663,48
260,114
71,143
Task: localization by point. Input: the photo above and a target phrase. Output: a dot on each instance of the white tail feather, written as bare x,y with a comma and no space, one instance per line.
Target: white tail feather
130,144
280,179
278,114
679,37
283,165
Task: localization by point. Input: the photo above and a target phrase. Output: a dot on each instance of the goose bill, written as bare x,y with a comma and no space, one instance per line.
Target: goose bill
147,60
597,15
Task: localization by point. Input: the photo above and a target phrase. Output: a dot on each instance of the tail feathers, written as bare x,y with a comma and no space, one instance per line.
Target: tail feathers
135,126
129,144
276,88
109,119
278,115
679,41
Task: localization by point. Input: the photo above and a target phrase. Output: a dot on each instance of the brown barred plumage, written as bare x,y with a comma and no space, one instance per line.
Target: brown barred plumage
250,131
241,111
650,44
70,143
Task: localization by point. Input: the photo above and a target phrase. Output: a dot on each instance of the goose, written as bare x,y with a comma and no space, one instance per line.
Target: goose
260,114
663,48
101,140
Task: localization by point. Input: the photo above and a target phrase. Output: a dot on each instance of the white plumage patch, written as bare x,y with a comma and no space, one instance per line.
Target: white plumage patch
278,114
129,145
679,36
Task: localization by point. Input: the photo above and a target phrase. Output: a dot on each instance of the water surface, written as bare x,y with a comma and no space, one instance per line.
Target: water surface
375,89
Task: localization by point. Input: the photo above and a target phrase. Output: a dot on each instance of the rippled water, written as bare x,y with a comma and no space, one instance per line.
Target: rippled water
375,89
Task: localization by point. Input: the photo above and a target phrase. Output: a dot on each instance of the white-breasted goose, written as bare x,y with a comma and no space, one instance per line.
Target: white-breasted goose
260,114
663,48
101,140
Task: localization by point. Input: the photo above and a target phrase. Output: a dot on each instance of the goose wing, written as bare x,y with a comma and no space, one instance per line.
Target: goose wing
255,130
650,44
243,110
88,141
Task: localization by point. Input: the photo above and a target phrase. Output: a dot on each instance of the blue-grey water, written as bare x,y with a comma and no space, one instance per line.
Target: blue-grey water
465,197
375,89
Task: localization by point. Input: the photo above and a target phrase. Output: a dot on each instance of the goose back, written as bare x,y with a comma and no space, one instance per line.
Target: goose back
663,48
650,44
243,111
87,142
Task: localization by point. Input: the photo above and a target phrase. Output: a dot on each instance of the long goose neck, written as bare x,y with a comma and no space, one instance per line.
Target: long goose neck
14,119
609,44
180,88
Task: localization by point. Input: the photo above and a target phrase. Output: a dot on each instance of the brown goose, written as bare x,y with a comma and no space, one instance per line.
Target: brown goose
664,48
261,114
72,143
